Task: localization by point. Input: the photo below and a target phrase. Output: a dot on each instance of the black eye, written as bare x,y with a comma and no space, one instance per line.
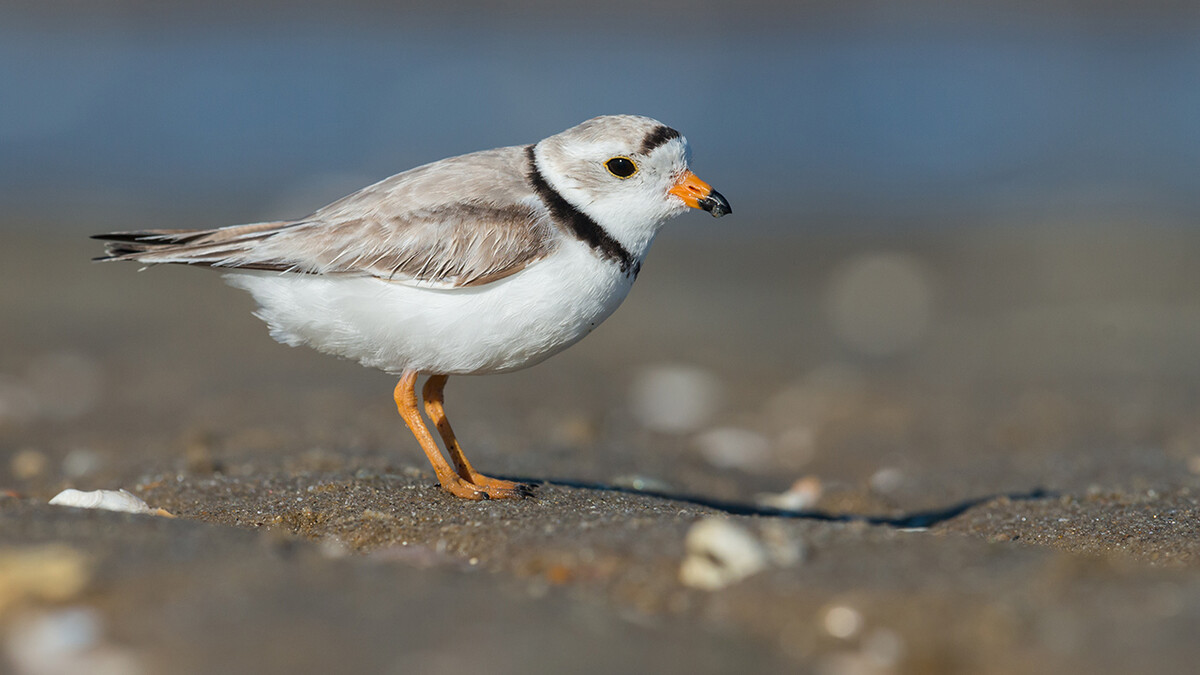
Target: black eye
621,167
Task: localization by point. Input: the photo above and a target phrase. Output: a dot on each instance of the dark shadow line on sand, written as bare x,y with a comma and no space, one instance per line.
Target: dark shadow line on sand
917,519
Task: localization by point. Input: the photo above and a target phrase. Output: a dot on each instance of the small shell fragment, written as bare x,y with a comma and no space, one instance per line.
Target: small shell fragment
734,448
843,621
804,494
675,399
108,500
720,553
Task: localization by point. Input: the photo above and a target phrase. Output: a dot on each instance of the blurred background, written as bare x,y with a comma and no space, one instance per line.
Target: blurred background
991,205
809,114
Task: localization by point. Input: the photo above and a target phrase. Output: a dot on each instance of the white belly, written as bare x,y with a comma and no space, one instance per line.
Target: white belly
505,325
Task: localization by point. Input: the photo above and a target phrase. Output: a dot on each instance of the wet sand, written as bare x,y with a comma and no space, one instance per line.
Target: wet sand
991,436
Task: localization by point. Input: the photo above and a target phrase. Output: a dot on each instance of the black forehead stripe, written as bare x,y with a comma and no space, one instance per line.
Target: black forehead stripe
657,136
575,221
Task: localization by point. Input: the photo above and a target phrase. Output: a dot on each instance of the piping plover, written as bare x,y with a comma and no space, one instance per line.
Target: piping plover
483,263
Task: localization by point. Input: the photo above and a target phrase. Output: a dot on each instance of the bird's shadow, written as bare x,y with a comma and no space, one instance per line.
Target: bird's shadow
913,520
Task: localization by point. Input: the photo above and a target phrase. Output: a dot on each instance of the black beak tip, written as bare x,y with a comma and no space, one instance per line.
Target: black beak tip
716,204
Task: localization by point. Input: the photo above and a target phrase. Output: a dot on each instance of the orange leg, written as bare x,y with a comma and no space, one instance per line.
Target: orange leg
459,486
435,408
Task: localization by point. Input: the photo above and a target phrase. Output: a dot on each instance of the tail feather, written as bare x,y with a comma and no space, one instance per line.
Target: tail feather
209,247
159,236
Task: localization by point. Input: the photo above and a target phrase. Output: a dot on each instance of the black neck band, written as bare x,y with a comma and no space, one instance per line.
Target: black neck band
575,221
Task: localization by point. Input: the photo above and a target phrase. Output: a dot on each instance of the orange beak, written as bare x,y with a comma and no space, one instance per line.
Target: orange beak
700,195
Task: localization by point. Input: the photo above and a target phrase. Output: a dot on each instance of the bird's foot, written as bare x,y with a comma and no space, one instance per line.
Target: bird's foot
484,487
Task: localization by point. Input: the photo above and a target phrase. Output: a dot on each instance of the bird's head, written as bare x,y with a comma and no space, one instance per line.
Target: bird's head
628,173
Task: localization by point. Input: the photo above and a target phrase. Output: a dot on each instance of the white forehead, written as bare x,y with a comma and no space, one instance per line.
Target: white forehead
622,135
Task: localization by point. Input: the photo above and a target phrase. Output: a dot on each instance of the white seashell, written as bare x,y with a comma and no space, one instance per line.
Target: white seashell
804,494
675,399
843,621
67,641
734,448
720,553
109,500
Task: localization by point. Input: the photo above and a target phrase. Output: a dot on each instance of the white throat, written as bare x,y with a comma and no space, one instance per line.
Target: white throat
630,223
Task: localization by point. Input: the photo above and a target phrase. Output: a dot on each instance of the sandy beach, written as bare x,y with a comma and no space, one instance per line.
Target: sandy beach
974,451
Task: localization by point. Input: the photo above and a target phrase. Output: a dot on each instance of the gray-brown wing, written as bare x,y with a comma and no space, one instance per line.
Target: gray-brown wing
463,221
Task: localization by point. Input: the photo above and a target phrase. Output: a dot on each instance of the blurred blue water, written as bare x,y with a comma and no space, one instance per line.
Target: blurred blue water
882,115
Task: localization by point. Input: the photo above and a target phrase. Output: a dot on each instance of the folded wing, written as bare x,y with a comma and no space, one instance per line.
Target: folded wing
464,221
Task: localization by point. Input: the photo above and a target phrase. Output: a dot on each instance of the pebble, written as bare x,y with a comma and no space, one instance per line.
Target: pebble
28,463
887,480
66,641
803,494
720,553
842,621
51,572
733,448
674,398
641,483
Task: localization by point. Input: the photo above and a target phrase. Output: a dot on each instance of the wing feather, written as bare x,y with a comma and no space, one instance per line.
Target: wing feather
464,221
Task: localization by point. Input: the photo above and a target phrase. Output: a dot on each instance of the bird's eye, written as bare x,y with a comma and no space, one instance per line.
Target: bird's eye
621,167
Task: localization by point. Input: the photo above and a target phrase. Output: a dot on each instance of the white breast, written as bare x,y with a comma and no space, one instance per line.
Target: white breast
505,325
